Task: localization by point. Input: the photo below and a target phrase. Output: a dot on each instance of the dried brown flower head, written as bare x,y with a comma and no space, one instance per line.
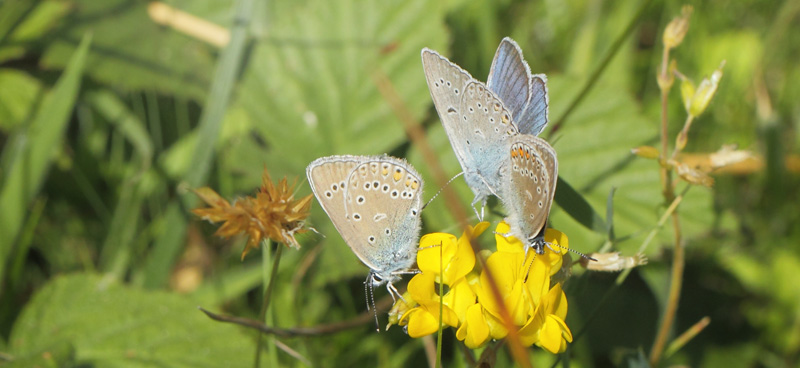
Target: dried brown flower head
273,213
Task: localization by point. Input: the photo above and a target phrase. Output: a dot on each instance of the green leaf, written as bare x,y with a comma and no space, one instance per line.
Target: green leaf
18,98
576,206
131,51
319,85
32,151
110,324
58,355
25,21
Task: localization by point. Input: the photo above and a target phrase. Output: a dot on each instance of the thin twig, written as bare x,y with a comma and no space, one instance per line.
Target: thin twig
319,330
686,336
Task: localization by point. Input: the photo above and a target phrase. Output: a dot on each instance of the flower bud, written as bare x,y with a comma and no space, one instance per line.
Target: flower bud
705,92
399,308
612,262
646,152
677,28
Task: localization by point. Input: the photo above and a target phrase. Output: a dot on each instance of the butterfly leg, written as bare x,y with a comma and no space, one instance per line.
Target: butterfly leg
483,206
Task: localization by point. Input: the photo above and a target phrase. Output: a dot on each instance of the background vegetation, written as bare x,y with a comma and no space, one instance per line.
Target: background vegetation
108,114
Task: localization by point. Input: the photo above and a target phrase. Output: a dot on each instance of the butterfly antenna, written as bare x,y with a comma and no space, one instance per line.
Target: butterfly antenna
441,189
571,250
369,291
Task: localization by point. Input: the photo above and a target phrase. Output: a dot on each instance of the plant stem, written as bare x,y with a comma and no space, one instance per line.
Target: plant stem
276,260
676,281
612,51
441,308
668,190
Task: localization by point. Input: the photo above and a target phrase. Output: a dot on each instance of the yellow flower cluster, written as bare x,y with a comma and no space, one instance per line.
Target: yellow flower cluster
537,309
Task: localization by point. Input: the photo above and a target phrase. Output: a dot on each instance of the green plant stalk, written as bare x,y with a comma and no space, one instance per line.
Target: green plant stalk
441,308
668,188
687,336
276,260
615,47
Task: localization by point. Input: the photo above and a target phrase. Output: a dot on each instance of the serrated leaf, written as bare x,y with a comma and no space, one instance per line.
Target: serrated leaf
113,325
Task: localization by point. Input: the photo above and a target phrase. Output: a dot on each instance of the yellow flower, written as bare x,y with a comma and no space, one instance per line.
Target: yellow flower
457,256
442,259
474,330
522,278
547,328
424,319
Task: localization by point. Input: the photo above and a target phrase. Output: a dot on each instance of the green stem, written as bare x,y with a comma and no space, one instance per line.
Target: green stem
441,308
276,260
615,47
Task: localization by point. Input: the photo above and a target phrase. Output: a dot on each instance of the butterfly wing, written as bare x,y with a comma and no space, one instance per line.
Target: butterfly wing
533,119
328,179
446,82
484,129
510,77
382,204
525,95
532,173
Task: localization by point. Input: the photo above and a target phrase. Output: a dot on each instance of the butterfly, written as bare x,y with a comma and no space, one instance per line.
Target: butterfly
480,119
374,202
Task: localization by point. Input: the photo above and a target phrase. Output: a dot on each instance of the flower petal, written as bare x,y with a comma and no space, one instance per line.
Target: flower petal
475,330
431,247
421,323
459,298
506,242
422,287
550,335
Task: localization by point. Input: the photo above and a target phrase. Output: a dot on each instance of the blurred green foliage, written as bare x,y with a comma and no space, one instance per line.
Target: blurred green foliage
106,116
